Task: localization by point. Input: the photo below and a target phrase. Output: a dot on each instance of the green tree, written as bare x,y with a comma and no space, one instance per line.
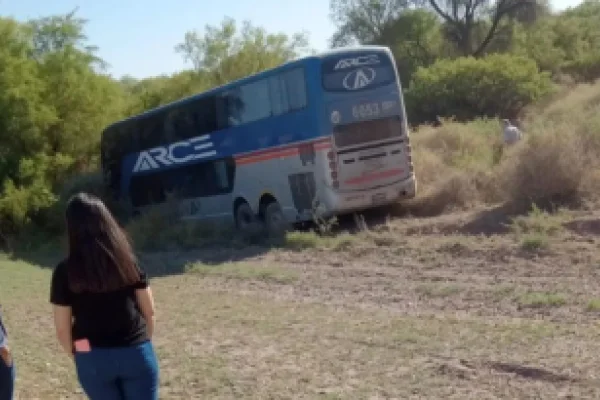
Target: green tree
227,52
156,91
366,21
418,42
25,116
499,85
82,99
62,32
413,34
465,20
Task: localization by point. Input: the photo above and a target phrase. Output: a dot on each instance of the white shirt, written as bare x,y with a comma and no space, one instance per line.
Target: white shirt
512,134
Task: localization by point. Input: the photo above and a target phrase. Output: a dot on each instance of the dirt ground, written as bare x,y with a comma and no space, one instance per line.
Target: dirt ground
413,309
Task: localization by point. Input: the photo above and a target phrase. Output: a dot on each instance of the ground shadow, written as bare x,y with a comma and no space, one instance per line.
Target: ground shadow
167,263
216,251
160,263
490,221
494,221
585,227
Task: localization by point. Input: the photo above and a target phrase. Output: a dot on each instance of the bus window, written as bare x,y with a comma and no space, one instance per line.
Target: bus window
205,115
145,190
296,88
222,175
341,75
280,103
256,100
148,132
250,102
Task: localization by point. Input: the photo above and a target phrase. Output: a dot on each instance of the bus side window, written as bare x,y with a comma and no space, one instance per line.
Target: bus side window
295,83
146,189
279,96
205,116
252,101
222,113
222,176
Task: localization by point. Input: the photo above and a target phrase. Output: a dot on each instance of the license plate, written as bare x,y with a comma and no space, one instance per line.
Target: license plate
378,198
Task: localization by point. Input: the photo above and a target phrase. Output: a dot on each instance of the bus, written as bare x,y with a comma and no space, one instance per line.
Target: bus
324,134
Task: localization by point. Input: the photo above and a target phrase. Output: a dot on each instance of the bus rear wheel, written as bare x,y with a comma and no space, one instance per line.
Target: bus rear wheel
245,219
275,220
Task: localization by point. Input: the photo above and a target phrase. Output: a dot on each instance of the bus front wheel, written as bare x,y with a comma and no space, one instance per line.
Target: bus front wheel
275,220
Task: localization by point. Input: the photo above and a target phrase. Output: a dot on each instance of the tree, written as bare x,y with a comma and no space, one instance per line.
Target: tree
418,41
463,19
82,99
227,53
24,115
413,33
153,92
61,33
365,21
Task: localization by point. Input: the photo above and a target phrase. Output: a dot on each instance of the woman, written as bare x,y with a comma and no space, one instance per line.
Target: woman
7,367
103,307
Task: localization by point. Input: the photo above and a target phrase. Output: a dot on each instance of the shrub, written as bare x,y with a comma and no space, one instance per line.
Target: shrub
466,88
584,69
89,182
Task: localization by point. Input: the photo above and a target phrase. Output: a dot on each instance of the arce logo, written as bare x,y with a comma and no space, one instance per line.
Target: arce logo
359,78
175,153
344,63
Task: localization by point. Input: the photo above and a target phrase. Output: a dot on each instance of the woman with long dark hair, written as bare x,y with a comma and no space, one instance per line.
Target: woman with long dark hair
103,307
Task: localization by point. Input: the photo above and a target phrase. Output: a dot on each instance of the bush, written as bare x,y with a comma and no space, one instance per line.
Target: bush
557,162
466,88
89,182
584,69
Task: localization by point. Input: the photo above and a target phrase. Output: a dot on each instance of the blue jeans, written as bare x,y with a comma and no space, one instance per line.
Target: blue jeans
7,380
119,373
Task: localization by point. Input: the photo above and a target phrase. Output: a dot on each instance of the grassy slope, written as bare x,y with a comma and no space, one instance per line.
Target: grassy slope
459,165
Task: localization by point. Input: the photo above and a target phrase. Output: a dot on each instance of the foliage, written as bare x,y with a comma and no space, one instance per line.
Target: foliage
457,167
498,85
365,21
227,53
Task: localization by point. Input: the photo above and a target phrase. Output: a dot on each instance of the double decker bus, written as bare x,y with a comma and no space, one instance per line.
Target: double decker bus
325,133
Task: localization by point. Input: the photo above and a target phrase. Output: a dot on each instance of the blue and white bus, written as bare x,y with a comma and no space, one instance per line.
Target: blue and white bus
327,130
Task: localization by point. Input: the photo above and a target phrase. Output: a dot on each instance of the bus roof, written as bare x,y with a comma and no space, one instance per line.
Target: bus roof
297,61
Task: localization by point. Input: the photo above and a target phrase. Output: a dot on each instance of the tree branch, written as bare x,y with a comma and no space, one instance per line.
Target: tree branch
503,7
441,13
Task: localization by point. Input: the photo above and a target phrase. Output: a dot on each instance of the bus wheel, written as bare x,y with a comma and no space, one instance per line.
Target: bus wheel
275,220
245,220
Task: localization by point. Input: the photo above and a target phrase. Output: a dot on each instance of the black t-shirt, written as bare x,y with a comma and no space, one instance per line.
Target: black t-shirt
110,319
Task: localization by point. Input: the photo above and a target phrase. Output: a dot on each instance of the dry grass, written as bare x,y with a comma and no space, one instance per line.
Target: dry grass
423,315
244,271
459,165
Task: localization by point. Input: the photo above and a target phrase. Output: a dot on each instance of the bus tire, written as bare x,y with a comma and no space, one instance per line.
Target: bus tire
274,220
245,220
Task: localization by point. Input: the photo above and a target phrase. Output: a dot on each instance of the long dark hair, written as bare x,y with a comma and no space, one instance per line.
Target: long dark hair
101,258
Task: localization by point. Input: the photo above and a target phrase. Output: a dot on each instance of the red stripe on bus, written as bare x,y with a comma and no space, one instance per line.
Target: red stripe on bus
290,146
323,146
280,152
374,176
266,157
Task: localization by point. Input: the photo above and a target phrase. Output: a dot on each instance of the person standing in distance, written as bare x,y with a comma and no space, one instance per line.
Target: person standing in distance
103,307
7,367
